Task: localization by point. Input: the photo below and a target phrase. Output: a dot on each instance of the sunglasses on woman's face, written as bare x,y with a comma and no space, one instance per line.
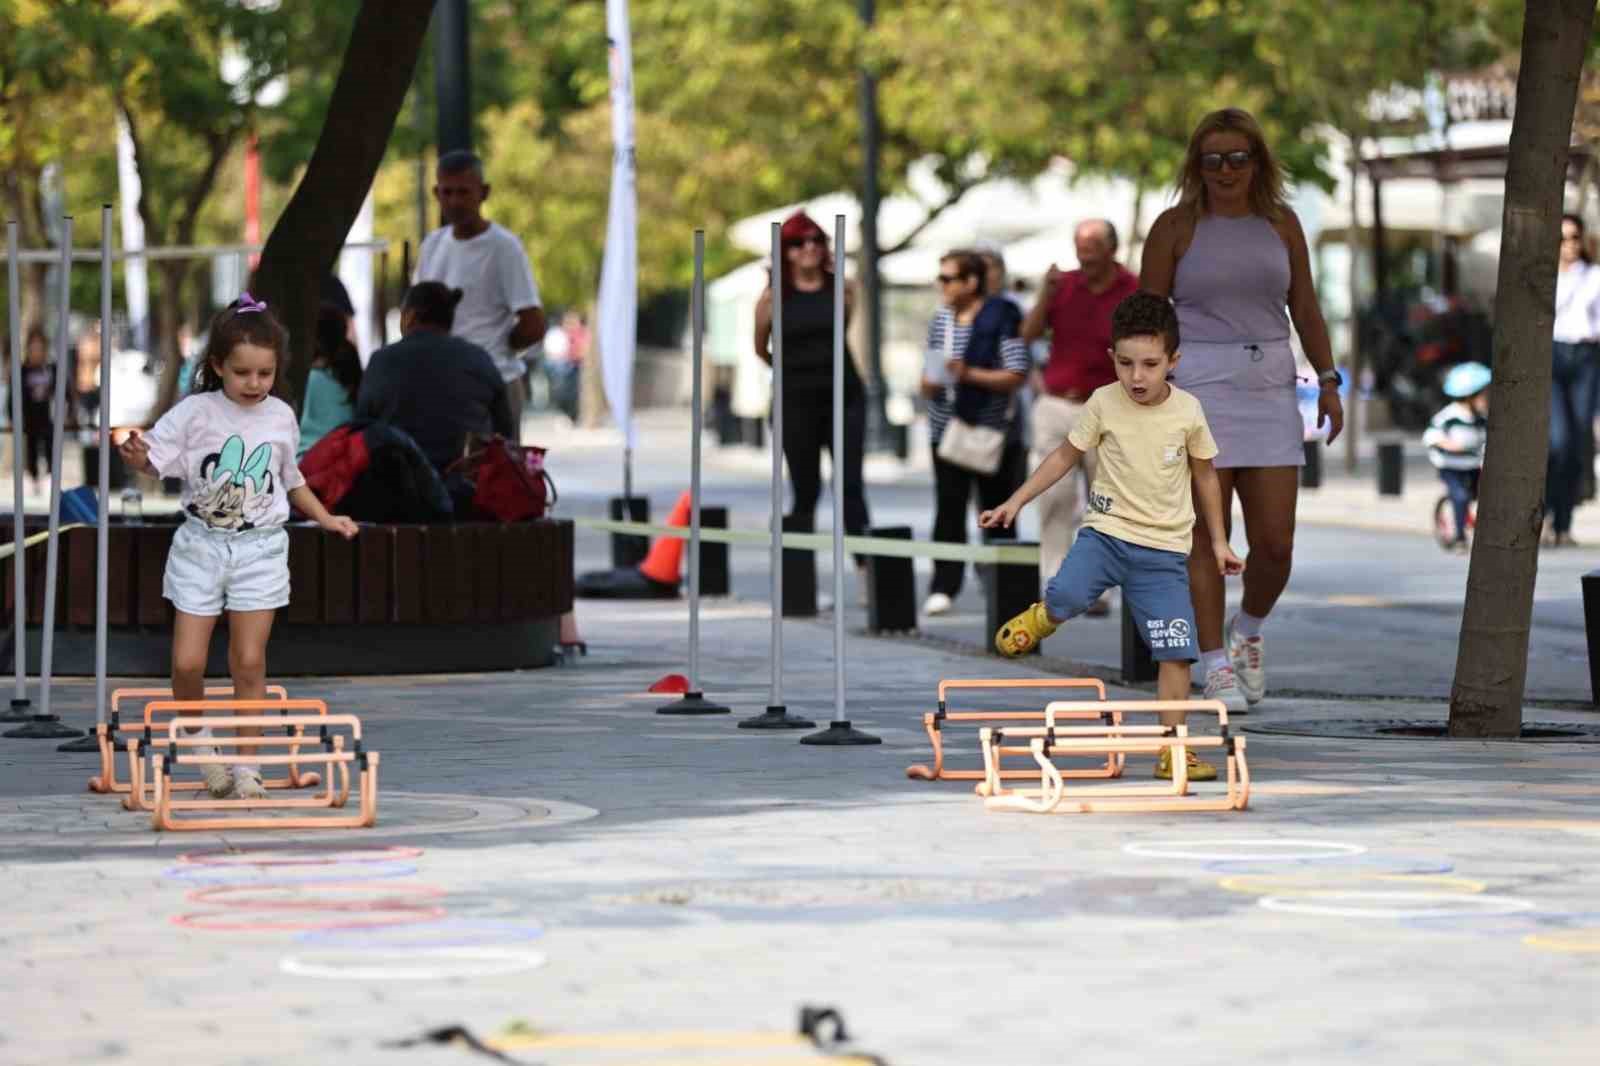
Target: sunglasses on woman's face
1235,160
810,238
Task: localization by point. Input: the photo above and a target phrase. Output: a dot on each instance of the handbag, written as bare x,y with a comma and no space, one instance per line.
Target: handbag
965,444
509,481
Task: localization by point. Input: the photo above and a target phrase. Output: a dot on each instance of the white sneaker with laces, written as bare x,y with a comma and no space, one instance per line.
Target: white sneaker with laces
1222,685
247,783
1248,656
938,603
219,782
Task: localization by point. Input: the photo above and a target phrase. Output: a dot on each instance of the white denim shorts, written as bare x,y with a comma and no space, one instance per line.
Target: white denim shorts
209,572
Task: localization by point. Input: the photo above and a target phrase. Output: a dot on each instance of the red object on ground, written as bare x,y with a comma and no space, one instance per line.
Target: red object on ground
666,554
671,683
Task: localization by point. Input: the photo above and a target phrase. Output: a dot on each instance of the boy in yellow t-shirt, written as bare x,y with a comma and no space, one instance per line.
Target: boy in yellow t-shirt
1153,444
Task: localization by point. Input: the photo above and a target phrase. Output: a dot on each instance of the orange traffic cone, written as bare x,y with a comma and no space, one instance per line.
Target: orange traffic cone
666,554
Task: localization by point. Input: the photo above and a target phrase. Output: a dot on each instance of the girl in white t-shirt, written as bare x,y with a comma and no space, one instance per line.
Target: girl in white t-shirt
233,443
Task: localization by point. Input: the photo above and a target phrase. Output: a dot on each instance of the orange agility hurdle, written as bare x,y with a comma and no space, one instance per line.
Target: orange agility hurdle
151,737
106,733
338,734
1053,740
934,724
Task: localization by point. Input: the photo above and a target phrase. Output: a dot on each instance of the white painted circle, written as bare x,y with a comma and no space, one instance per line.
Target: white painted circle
436,964
1397,905
1247,849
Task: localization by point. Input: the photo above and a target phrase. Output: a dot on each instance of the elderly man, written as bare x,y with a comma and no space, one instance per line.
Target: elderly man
500,310
1075,308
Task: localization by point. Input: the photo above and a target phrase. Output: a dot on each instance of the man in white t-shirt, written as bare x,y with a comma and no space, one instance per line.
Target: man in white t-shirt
499,310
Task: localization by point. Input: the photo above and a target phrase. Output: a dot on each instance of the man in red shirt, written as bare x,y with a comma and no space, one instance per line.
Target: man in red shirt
1075,307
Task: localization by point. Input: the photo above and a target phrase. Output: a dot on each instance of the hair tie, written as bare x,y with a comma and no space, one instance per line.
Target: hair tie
248,305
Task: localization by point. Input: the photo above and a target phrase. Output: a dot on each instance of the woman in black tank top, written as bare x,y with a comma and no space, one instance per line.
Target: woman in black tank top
808,377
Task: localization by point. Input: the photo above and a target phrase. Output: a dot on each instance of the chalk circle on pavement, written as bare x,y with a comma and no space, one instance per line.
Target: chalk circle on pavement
1567,941
268,875
329,896
1334,880
1242,849
298,856
430,936
1395,905
243,920
441,964
1371,862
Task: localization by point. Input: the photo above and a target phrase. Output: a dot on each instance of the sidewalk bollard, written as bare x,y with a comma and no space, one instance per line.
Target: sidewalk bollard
1311,473
900,438
722,416
1591,630
627,549
1391,468
891,587
714,570
799,576
1012,588
752,431
1136,662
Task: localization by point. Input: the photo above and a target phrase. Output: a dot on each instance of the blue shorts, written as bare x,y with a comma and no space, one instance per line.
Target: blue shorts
1155,585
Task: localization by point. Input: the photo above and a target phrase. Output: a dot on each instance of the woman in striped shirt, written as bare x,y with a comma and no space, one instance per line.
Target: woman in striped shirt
979,385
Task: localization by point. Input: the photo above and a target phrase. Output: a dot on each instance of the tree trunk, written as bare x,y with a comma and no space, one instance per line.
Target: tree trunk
168,320
305,242
1492,659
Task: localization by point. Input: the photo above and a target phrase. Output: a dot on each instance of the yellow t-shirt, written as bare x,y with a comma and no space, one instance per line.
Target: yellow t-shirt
1141,490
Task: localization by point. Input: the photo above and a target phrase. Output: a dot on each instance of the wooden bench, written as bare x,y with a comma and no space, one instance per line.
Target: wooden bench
422,599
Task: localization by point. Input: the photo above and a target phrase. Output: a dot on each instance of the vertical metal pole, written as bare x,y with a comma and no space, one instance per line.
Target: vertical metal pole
44,725
102,582
777,716
839,732
19,696
776,440
877,420
697,313
452,87
839,465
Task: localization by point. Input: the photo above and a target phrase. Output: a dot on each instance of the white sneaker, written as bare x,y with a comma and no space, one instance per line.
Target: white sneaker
219,782
938,603
247,783
1248,655
1222,685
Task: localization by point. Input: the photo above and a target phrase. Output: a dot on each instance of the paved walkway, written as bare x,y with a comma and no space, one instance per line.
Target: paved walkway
610,872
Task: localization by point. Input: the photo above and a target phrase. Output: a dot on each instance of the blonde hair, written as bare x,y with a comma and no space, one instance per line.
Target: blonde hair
1267,198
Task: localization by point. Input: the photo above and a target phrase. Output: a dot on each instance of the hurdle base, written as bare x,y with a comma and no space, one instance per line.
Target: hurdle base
89,742
42,727
840,735
692,703
777,717
17,712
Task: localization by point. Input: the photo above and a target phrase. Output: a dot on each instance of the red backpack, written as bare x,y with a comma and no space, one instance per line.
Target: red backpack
509,481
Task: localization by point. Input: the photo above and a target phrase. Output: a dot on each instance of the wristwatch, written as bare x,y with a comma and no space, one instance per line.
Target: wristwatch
1330,377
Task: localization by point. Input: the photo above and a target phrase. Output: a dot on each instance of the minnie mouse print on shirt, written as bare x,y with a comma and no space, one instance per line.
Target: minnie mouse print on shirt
237,463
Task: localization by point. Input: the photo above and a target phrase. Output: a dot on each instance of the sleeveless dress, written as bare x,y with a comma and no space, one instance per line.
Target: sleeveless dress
1231,293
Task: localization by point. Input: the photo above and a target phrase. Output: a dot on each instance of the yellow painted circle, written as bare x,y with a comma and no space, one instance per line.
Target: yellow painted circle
1306,884
1568,941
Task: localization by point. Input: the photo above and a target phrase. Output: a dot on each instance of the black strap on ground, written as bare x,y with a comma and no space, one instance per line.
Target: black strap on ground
455,1035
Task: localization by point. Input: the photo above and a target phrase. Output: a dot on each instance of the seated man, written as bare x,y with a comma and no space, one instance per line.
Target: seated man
436,387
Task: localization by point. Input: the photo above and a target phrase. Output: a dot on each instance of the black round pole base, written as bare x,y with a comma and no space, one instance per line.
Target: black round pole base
89,742
777,718
19,711
840,735
692,703
42,727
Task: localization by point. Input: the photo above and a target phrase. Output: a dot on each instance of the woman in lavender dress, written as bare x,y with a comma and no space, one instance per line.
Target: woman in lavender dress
1233,258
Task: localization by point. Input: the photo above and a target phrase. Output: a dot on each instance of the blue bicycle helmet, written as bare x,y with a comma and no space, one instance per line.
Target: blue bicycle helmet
1468,379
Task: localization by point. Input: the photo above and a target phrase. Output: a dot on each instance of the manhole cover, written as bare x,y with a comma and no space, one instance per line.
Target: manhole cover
1420,729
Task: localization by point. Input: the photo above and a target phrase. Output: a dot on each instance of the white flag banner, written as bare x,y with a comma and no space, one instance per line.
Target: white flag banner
617,321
